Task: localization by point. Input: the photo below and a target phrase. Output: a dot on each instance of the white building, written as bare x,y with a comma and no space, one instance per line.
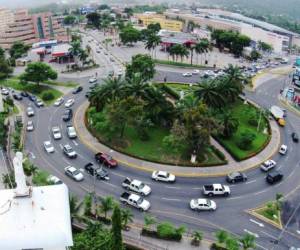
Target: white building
34,217
6,17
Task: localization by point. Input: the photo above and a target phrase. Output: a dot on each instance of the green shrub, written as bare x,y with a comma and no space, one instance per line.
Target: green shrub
168,90
48,96
253,122
218,153
246,139
166,230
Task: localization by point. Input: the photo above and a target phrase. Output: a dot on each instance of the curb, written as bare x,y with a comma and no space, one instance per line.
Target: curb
181,174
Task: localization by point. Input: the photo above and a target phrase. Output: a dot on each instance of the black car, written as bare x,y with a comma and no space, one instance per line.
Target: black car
24,94
295,137
87,94
274,176
17,97
236,177
68,114
101,173
32,98
77,90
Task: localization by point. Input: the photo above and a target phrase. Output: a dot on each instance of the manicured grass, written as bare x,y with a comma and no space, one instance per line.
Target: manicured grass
68,84
179,64
264,211
187,89
33,88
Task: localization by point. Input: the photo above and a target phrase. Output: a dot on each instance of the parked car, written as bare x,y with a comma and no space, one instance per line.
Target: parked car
77,90
32,98
196,72
48,147
56,133
187,74
163,176
295,137
274,176
52,179
74,173
59,101
268,165
17,97
92,80
203,205
106,159
94,85
24,94
136,186
216,189
30,126
30,112
68,114
39,103
69,151
101,173
87,94
69,103
135,201
4,91
283,149
236,177
71,132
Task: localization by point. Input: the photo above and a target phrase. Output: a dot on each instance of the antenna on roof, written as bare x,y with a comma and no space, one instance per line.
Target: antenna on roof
22,190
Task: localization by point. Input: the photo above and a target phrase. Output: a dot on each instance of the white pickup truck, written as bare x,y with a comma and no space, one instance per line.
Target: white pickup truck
135,201
216,189
136,186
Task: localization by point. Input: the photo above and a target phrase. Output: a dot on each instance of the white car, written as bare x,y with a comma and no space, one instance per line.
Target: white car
92,80
30,126
69,103
268,165
48,147
187,74
54,180
71,132
283,149
59,101
4,91
56,133
163,176
74,173
30,111
196,72
203,205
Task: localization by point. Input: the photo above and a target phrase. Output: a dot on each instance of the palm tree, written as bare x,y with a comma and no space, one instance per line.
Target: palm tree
222,236
229,89
202,47
126,217
9,180
75,207
148,221
278,201
75,49
137,87
107,205
248,241
82,56
197,237
152,42
230,123
235,75
178,50
232,244
192,48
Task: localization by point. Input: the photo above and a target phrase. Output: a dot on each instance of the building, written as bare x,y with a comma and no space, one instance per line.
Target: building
34,217
31,29
6,17
170,38
152,18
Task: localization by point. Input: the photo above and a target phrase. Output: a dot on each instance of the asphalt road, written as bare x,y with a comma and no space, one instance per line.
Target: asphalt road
171,201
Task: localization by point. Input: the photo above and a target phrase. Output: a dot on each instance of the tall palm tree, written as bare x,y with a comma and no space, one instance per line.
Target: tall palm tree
148,221
75,208
152,42
197,237
75,48
235,75
230,123
137,87
229,89
202,47
178,50
82,56
106,205
248,241
126,217
222,236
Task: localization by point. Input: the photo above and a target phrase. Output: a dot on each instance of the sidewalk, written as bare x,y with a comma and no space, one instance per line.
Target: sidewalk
91,142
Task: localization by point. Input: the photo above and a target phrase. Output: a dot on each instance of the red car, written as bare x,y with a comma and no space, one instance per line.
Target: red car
107,160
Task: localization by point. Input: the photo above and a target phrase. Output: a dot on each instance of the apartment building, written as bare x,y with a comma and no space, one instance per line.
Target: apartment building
6,16
31,29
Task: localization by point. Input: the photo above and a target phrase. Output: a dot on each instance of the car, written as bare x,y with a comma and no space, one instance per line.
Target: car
268,165
87,94
32,98
30,126
59,101
236,177
77,90
274,176
74,173
98,51
69,103
24,94
56,133
196,72
17,97
203,205
93,170
71,132
163,176
187,74
283,149
68,114
39,103
4,91
52,179
93,80
69,151
48,147
94,85
30,112
295,137
112,59
106,159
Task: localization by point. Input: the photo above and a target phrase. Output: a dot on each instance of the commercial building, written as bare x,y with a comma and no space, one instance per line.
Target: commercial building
31,29
166,24
170,38
6,17
34,217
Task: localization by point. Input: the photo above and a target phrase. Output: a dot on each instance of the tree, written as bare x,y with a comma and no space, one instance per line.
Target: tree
246,139
222,236
154,27
88,201
116,229
197,237
129,35
5,69
126,217
148,221
278,201
178,50
38,72
69,20
232,243
9,180
94,19
229,123
2,53
75,207
29,168
82,56
75,48
248,241
236,77
255,55
141,64
18,49
265,47
152,41
106,205
202,47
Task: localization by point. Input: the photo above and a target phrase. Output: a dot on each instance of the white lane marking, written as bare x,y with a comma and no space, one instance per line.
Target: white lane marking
197,188
109,184
234,198
258,223
270,235
249,182
61,146
249,232
75,143
260,192
279,167
117,174
31,155
170,199
261,246
173,187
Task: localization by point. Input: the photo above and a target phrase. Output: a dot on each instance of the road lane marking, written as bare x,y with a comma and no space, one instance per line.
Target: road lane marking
61,146
117,174
269,235
261,192
197,188
258,223
261,246
249,182
170,199
173,187
75,143
249,232
109,184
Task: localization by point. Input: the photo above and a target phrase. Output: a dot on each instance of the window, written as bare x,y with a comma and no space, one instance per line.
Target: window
40,28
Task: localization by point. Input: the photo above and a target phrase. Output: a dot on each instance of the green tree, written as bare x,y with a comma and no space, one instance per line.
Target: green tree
278,201
141,64
232,243
201,47
222,236
2,53
148,221
83,55
38,72
9,180
246,139
230,124
18,49
88,201
197,237
75,208
116,229
69,20
248,241
94,19
255,55
178,50
29,168
265,47
75,49
129,35
106,205
126,217
154,27
5,69
152,41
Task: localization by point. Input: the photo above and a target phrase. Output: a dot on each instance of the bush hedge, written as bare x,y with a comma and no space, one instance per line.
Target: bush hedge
48,96
169,91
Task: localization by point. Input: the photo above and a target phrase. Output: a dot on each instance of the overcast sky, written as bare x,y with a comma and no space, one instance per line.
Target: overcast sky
24,3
